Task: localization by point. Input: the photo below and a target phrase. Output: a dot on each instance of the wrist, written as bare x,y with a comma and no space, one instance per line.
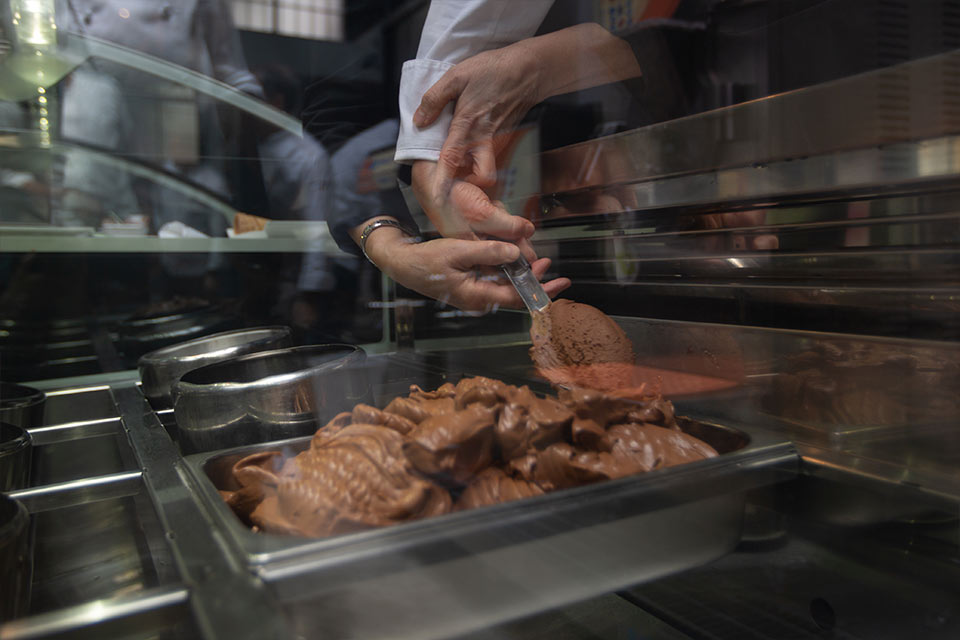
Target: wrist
383,243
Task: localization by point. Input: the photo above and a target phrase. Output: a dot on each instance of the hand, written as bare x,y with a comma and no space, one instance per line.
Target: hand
493,90
462,273
466,210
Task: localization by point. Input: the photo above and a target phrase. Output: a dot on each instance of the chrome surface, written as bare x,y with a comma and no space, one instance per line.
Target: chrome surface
15,456
268,395
80,492
20,405
896,127
527,285
157,611
136,336
160,369
16,559
197,551
473,569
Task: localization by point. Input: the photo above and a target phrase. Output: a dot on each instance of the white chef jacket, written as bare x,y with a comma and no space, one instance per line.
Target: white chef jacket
197,34
454,31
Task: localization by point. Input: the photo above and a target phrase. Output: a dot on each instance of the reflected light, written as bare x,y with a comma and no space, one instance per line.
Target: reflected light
124,13
35,21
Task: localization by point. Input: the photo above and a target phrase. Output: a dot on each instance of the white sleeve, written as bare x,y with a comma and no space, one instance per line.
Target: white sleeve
454,31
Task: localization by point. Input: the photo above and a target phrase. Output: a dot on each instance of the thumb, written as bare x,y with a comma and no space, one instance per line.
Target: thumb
444,91
485,253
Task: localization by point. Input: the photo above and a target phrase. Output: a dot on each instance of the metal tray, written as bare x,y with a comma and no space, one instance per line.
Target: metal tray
463,571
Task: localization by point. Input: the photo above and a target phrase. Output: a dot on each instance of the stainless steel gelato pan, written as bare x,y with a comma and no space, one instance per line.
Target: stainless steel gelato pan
477,567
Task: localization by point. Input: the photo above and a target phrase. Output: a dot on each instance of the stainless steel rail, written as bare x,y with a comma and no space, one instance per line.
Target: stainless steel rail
219,589
894,126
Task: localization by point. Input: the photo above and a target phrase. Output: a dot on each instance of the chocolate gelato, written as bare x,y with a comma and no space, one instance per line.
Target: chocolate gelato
476,443
569,334
494,486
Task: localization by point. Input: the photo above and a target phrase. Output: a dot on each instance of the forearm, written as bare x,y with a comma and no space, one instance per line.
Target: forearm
580,57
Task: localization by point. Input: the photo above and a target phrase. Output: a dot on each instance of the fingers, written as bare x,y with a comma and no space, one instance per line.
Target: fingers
484,253
488,293
453,154
484,171
556,286
444,91
485,217
527,250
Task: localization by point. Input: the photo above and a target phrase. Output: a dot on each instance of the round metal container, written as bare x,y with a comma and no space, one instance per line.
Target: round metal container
137,336
20,405
270,395
14,457
16,560
160,369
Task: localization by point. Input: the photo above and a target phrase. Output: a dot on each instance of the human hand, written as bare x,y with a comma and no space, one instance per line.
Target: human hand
466,211
462,273
492,92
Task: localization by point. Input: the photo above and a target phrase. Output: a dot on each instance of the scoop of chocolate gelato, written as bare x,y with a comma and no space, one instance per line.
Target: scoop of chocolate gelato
571,333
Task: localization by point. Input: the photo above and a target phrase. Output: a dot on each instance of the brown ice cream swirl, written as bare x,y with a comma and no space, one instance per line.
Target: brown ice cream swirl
493,486
355,478
625,449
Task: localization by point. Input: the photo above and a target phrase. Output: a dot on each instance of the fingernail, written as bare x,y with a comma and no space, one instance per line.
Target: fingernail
418,118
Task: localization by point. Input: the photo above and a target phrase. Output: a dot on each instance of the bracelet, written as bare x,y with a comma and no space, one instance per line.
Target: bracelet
373,226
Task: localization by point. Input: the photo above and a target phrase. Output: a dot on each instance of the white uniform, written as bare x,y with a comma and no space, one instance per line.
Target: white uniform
454,31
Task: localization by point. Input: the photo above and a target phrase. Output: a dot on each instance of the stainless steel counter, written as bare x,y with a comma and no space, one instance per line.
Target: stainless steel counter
127,539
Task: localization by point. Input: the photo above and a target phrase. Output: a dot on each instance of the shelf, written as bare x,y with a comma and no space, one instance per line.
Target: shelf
153,244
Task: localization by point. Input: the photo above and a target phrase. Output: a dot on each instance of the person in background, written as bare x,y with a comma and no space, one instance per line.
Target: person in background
171,126
296,170
328,286
94,114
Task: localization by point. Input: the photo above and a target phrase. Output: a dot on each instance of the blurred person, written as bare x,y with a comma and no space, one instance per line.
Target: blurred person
93,114
171,126
296,170
24,190
328,285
